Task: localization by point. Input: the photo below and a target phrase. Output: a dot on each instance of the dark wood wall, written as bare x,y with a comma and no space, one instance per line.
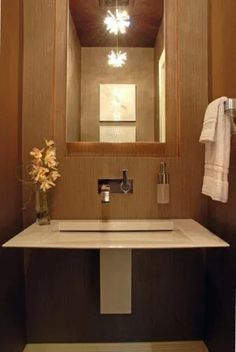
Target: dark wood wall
220,333
62,286
12,332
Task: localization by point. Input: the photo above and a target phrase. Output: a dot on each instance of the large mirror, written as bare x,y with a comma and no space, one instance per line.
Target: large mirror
116,71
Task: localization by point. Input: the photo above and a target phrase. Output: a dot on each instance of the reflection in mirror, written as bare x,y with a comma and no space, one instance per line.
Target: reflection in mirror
116,71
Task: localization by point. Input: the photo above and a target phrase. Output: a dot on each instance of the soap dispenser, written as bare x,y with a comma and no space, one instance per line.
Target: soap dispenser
163,186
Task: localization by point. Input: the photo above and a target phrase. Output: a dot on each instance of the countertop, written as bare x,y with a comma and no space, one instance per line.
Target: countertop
187,233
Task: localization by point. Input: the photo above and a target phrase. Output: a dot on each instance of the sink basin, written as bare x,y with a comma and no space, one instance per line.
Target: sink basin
132,234
115,225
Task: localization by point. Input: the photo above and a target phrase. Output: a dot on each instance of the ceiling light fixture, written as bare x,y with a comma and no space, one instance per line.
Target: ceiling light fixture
117,59
118,22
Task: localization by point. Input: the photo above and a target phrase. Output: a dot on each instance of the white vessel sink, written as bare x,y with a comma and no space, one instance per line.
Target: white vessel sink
115,225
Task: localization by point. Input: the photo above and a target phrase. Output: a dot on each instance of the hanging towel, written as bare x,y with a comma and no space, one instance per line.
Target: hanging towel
216,134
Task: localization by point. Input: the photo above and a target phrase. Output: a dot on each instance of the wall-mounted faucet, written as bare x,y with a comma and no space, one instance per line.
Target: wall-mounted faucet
125,183
106,186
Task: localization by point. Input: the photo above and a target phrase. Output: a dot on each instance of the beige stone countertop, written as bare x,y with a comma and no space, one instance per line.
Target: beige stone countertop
187,233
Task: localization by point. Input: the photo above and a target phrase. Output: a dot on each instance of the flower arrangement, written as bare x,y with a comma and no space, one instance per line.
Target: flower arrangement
44,166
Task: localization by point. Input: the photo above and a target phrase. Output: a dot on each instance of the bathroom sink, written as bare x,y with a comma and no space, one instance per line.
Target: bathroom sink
115,225
133,234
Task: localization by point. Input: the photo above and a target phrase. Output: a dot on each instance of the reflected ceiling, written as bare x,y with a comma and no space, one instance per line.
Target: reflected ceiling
88,16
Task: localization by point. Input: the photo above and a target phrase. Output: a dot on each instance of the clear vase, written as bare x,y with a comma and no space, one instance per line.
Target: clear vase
41,207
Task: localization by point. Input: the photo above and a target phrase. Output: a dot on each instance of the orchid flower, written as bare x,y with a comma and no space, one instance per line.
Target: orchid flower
37,153
43,171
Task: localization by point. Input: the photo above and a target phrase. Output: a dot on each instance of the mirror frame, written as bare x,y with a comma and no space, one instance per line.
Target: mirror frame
150,149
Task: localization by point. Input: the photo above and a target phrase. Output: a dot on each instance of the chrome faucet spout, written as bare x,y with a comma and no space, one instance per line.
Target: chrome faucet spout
125,184
107,186
125,177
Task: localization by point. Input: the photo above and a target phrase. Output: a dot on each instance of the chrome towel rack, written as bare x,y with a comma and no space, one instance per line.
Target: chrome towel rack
230,107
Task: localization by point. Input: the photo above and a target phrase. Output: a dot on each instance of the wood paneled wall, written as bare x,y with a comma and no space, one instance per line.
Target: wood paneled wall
221,217
38,82
168,286
12,332
73,96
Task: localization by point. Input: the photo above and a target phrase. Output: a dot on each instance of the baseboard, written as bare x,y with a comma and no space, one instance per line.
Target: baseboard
181,346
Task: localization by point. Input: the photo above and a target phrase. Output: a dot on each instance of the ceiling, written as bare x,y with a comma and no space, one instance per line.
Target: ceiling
88,16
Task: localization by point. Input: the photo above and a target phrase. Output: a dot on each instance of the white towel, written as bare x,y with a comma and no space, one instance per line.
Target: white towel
216,134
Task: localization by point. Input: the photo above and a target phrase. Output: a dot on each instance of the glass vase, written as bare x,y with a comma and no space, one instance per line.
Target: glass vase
41,207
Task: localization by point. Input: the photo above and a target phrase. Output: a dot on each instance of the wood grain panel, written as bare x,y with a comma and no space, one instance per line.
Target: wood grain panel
145,20
73,98
193,346
169,286
38,81
63,302
10,118
138,149
12,324
220,334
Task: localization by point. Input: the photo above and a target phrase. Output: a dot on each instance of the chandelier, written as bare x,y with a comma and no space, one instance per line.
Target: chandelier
117,59
118,22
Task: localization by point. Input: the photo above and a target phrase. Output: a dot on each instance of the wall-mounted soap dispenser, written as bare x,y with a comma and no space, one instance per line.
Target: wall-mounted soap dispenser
163,186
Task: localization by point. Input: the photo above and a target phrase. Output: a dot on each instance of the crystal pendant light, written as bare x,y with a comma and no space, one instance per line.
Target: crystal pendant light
118,22
117,59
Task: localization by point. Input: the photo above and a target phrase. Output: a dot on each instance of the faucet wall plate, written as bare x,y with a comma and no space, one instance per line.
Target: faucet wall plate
115,185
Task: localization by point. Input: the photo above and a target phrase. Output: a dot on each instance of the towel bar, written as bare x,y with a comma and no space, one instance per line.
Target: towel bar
230,107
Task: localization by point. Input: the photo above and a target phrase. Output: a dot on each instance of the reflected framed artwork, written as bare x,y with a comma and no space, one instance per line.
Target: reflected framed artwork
117,102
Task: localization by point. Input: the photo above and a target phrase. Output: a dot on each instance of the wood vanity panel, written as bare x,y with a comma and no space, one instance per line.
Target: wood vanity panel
12,324
183,346
66,283
63,303
220,334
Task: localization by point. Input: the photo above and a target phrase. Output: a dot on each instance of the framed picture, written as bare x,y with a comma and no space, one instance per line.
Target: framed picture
117,102
115,134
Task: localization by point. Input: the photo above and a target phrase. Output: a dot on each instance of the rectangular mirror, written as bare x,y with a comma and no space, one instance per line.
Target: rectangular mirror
106,103
130,104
